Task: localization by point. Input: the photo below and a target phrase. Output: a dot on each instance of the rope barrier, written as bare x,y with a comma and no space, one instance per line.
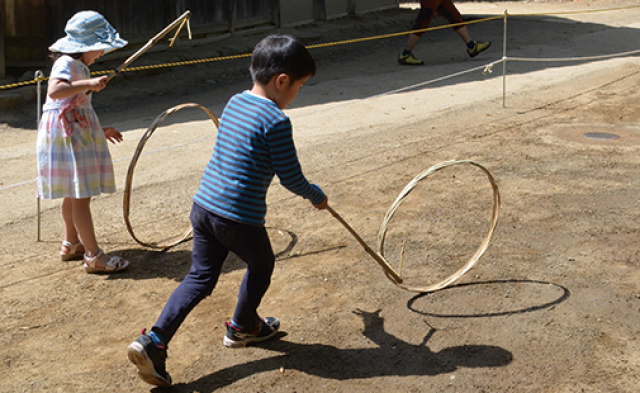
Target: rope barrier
488,68
401,89
316,46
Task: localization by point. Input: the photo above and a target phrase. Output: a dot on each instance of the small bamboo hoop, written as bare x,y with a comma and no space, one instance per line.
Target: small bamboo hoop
474,258
132,165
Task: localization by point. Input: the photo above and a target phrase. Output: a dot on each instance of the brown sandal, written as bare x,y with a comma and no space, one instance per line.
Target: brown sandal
76,251
112,264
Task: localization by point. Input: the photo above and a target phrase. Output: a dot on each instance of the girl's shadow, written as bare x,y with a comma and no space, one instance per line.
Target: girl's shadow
390,357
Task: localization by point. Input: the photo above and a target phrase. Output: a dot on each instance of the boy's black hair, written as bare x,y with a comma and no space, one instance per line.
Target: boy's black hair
277,54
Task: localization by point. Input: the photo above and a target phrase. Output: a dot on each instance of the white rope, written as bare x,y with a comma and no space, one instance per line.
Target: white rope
395,91
123,158
488,68
18,184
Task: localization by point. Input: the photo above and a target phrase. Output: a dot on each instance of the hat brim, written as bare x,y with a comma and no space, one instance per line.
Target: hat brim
65,45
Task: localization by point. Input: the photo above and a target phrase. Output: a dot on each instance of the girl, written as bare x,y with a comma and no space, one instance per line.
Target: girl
73,157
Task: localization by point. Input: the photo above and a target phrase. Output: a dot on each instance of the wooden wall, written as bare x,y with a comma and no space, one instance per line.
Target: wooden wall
24,28
29,27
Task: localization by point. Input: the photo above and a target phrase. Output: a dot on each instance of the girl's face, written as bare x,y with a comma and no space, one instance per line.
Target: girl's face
90,57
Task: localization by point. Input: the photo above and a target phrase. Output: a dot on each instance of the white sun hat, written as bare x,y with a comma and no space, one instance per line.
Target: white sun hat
88,31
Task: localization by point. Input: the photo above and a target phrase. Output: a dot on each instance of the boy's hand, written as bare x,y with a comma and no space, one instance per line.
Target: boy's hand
112,135
322,205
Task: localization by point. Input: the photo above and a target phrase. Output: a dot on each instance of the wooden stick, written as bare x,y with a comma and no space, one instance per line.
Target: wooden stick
385,265
181,20
404,244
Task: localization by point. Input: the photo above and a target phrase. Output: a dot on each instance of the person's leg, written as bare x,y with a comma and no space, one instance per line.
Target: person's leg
149,351
260,262
423,20
83,222
70,232
207,256
412,41
252,245
71,248
95,261
463,32
449,11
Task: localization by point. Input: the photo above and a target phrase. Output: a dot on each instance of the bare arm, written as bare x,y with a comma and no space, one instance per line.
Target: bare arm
60,88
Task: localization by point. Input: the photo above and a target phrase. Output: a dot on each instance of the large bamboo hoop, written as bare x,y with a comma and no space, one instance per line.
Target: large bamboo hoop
474,258
132,165
396,276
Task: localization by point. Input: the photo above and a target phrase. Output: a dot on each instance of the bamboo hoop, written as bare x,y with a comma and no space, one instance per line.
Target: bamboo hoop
396,276
473,259
132,165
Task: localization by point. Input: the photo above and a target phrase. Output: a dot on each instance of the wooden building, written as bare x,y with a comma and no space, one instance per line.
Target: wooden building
29,27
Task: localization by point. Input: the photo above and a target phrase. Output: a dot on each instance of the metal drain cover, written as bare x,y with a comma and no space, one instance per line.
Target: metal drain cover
602,135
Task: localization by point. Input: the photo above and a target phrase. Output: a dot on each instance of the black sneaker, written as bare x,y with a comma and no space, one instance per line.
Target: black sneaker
266,329
150,360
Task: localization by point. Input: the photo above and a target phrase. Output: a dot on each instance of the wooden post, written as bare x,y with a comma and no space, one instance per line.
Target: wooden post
319,10
275,12
233,16
2,27
351,7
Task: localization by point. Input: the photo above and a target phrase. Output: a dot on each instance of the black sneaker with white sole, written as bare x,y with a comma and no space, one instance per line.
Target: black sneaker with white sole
266,329
150,360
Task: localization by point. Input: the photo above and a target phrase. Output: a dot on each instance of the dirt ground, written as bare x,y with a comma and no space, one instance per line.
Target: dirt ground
552,306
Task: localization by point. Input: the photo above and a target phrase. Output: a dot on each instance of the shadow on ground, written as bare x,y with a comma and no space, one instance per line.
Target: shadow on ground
389,357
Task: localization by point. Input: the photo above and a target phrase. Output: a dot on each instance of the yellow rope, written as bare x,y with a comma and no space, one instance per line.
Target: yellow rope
325,45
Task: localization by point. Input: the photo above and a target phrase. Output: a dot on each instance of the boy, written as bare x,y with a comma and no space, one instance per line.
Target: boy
254,143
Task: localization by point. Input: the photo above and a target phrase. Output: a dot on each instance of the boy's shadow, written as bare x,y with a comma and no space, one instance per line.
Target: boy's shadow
390,357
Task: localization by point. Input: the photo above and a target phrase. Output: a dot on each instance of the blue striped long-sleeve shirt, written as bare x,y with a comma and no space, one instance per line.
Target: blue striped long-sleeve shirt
254,143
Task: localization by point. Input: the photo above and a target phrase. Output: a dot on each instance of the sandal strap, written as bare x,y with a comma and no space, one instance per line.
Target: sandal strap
71,246
115,263
90,260
74,251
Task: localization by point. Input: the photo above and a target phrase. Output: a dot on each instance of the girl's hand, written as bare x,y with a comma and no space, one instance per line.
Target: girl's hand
112,135
99,83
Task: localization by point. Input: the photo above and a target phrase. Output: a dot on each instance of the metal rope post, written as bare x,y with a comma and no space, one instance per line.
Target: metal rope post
504,62
38,76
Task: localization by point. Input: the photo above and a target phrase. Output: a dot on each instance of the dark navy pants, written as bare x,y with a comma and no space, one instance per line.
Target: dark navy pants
213,238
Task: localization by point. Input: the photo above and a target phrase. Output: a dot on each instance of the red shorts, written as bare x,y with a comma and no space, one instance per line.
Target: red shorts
428,9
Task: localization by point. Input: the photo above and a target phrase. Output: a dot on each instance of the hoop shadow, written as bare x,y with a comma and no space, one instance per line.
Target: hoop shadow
391,357
564,296
175,264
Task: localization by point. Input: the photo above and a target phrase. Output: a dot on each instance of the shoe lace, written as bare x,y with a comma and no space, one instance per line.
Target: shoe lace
162,347
252,333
